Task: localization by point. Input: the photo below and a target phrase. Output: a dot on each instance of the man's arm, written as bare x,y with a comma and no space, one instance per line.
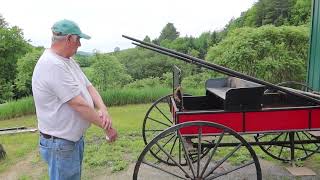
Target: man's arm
87,112
98,102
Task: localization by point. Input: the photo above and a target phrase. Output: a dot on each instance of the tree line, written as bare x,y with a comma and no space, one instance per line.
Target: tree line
269,41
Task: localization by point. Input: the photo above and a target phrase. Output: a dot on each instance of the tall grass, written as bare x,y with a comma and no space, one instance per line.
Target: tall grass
113,97
17,108
117,97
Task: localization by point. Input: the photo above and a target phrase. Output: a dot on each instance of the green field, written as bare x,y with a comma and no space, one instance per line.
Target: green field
101,158
99,155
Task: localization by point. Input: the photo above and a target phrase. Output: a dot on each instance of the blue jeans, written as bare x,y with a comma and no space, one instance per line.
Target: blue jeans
64,158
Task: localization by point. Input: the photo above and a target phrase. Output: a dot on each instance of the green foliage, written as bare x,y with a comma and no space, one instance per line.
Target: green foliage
17,108
83,60
99,155
108,72
274,54
116,49
25,66
141,63
12,47
133,96
183,45
6,91
3,23
301,12
169,32
167,79
147,39
198,80
143,83
111,97
276,12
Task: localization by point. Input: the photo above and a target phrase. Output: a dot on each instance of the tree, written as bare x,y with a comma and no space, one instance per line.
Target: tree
169,32
275,54
301,12
12,47
3,23
6,91
116,49
147,39
108,72
83,60
25,66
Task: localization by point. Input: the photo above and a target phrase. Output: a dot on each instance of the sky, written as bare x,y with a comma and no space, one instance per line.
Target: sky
105,21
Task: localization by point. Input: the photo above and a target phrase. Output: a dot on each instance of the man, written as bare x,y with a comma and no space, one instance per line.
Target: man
65,100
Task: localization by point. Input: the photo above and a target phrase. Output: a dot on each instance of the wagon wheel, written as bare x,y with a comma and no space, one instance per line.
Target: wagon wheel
290,151
237,161
159,118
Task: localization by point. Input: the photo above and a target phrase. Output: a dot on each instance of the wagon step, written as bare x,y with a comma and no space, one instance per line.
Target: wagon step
300,171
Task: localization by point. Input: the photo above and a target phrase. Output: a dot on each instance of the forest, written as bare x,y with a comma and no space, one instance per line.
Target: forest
269,41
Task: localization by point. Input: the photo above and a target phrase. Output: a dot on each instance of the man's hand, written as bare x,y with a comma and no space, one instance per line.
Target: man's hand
111,135
106,119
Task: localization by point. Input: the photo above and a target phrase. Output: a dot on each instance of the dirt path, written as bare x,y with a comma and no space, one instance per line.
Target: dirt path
30,167
33,168
270,171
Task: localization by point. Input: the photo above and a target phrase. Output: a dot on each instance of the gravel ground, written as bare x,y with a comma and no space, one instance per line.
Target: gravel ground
270,171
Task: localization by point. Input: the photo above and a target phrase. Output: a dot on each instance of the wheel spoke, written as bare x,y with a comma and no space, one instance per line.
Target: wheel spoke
159,122
259,137
223,160
310,139
274,139
186,153
304,149
172,159
166,142
199,149
174,143
161,169
234,169
164,115
285,138
211,155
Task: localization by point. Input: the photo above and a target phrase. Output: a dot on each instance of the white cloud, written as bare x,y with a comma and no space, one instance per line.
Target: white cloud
106,21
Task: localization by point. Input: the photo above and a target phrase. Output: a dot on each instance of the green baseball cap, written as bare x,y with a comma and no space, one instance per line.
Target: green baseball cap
65,27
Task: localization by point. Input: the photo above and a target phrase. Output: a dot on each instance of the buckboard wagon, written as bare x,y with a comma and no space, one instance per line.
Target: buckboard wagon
212,136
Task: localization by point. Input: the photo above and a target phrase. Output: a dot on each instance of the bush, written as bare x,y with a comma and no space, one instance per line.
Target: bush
25,68
145,83
275,54
108,72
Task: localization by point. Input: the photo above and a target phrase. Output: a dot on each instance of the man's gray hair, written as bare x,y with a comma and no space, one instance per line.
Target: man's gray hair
57,37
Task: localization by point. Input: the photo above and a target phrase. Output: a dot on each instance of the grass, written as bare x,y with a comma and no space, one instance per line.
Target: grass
99,155
18,108
17,145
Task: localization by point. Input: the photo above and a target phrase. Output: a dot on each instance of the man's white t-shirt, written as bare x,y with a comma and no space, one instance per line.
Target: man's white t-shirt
55,81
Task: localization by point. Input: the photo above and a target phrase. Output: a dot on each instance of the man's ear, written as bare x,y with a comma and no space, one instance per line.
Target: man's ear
69,36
